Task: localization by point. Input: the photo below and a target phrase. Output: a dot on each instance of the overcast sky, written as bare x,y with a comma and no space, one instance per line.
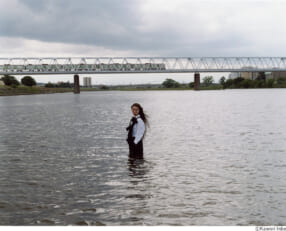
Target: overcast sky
142,28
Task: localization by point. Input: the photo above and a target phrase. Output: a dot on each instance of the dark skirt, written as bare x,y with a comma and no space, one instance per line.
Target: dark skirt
136,150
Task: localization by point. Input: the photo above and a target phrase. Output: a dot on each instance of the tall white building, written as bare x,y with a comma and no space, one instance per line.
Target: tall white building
87,81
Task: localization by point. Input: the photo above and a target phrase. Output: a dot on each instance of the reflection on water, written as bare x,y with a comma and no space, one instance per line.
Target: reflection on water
210,158
136,167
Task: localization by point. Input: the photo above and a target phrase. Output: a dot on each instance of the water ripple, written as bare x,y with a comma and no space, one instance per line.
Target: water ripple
211,158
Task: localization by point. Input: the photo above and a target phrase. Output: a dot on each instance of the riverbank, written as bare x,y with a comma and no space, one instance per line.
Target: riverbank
23,90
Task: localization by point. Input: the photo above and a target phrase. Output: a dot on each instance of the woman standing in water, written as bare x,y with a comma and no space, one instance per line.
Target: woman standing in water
136,131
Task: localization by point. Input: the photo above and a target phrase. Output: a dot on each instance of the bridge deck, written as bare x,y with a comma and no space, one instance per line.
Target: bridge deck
113,65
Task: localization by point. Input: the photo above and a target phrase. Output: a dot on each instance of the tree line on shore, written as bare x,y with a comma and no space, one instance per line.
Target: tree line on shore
13,82
29,81
239,82
207,83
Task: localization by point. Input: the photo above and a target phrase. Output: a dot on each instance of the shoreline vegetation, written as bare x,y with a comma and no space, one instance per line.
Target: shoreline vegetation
28,85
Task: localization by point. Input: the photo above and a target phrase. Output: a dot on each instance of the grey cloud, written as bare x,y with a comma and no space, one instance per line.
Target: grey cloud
85,22
114,24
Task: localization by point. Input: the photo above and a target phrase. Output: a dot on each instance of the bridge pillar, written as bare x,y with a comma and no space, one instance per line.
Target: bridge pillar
197,81
76,88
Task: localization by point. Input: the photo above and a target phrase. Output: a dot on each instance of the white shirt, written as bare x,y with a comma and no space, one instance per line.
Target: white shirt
138,129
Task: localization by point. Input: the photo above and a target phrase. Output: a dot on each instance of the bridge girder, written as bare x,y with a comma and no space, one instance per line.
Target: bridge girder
112,65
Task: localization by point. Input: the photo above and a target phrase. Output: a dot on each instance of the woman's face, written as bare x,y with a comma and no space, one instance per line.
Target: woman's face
135,110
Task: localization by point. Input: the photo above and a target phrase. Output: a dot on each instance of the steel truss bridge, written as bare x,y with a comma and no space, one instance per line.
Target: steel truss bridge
102,65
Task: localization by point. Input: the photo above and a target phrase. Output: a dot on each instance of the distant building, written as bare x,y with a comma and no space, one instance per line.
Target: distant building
248,74
254,75
87,81
278,74
2,83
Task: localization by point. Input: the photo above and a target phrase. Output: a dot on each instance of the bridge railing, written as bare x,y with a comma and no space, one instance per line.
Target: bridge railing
68,65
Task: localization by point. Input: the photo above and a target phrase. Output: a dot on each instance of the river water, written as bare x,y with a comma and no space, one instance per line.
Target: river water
210,158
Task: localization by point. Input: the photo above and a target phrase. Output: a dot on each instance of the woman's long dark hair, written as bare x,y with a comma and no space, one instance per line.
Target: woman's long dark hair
141,113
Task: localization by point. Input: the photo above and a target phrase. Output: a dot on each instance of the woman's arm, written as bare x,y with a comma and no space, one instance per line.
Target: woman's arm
140,131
